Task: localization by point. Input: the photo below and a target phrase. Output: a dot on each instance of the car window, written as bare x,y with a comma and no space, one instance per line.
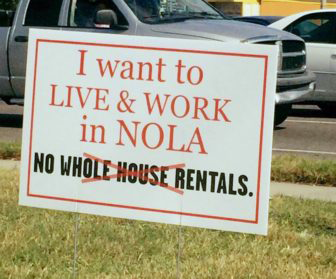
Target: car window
83,13
315,28
43,13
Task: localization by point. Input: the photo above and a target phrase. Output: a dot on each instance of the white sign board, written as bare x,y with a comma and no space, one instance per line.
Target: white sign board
164,130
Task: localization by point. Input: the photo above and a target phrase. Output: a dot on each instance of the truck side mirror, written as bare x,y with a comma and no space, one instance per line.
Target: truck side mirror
106,18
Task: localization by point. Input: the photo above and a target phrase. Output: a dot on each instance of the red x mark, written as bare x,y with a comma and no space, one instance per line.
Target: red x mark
124,172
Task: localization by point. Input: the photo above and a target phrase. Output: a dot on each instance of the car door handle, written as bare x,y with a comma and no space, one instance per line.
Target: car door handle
21,39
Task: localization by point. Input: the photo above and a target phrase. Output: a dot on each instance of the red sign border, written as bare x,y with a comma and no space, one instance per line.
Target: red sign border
264,57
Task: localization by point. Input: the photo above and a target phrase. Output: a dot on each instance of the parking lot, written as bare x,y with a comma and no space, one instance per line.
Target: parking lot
307,132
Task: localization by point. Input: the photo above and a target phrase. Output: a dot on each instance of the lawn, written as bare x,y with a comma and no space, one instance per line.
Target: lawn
297,169
10,151
38,243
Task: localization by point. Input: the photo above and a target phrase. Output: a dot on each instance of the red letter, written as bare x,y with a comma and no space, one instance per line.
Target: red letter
53,86
79,92
187,107
200,108
107,66
150,71
83,130
150,106
129,70
94,131
220,110
81,65
144,137
133,139
99,98
171,140
199,141
179,67
160,66
200,75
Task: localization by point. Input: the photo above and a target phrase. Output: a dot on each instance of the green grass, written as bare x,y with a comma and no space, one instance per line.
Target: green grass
10,151
289,168
38,243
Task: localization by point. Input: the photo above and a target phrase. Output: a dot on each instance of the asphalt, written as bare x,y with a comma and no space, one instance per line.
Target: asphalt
308,132
277,188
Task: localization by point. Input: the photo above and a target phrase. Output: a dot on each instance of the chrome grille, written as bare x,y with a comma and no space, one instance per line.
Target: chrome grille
293,63
292,56
293,46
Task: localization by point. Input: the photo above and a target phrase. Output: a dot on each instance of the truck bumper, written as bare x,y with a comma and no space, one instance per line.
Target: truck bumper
294,89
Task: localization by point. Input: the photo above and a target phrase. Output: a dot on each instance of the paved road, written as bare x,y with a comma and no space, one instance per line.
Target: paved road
307,132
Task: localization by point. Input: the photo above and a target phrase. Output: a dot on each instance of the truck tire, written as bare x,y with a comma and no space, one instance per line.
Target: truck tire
328,107
281,113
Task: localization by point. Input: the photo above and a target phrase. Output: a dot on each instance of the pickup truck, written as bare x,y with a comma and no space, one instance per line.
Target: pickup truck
191,19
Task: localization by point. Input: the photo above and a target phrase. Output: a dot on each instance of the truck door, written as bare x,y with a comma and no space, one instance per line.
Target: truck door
33,13
5,88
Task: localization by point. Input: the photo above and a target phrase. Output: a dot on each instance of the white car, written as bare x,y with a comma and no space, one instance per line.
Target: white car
318,29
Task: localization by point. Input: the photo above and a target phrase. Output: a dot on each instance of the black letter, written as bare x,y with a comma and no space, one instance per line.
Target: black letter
38,162
179,178
242,179
190,179
213,180
231,191
106,169
65,166
222,184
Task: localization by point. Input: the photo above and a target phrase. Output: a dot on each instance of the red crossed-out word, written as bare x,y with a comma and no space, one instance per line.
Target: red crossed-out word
124,172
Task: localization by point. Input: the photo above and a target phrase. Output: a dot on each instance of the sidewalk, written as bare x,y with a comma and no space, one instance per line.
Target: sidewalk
303,191
277,188
9,164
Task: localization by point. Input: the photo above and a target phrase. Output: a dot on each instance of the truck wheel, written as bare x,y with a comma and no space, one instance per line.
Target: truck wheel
281,112
328,107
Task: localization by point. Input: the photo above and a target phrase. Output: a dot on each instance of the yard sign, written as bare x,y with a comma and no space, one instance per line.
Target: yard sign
164,130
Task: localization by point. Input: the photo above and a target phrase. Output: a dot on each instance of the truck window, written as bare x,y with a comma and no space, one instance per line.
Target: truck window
158,11
6,18
43,13
83,13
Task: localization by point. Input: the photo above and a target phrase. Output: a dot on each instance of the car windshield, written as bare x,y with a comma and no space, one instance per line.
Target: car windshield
158,11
